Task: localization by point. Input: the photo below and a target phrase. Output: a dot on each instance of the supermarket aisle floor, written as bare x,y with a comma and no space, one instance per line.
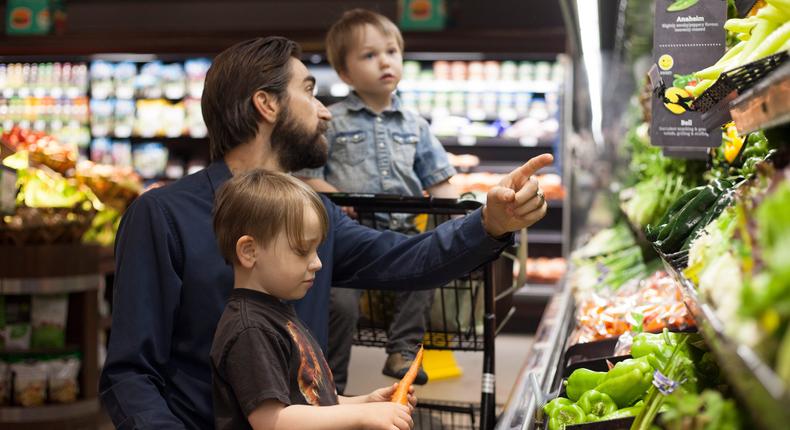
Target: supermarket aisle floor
511,352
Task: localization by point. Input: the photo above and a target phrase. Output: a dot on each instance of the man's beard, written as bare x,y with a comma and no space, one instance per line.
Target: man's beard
296,147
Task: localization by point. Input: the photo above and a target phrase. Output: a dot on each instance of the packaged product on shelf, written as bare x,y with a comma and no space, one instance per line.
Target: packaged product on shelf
441,69
508,71
196,70
150,117
543,71
150,159
458,70
123,121
48,317
174,169
524,73
174,120
491,71
17,322
522,103
411,70
101,150
457,103
476,71
124,80
30,383
194,119
174,81
149,81
121,153
101,117
62,378
5,384
652,304
543,270
101,79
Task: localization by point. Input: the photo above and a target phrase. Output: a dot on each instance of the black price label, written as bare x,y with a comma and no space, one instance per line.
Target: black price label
688,36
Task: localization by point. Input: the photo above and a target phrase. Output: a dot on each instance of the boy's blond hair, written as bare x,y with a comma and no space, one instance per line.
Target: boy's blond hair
262,204
345,34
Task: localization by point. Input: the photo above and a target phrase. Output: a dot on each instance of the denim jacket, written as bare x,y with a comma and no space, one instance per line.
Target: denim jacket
392,153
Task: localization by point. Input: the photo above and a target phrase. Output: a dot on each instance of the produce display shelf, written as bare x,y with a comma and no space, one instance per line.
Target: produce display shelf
755,383
542,364
765,105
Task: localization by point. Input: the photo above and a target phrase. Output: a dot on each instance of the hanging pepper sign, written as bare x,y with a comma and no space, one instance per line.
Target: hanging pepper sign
688,35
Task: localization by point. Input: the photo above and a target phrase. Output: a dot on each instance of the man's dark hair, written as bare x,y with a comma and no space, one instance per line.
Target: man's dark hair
234,77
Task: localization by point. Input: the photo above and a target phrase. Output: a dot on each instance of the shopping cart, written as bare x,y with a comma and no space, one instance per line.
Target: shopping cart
464,312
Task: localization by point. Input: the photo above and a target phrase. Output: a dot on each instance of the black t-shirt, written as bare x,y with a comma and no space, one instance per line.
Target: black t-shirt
262,351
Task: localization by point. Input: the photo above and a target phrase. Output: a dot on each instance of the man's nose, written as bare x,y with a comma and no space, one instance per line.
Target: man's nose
323,112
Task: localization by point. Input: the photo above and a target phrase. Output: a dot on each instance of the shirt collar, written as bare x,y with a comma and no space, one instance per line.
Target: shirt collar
218,173
354,103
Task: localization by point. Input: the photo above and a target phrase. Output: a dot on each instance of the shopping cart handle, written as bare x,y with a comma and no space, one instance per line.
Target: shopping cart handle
399,203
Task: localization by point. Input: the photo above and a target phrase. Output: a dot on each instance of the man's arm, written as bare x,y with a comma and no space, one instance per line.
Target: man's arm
145,301
388,260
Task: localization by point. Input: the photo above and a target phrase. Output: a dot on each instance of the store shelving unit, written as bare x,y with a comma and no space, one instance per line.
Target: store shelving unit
73,270
765,105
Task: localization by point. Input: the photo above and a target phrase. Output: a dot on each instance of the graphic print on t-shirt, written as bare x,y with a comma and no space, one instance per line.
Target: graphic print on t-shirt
311,376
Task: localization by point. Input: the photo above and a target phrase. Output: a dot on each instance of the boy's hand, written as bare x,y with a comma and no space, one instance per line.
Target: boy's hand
517,202
385,395
383,416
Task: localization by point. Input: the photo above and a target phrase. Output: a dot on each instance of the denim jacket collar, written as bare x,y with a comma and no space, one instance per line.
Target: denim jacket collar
354,103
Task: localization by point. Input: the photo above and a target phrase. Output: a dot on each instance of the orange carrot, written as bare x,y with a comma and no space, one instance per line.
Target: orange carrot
401,394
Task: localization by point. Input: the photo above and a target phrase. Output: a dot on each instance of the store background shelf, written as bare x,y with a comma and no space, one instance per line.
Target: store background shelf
67,416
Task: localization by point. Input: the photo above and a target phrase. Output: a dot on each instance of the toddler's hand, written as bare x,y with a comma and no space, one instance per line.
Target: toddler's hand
385,395
384,416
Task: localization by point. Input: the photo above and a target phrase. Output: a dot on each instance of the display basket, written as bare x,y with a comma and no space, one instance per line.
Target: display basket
739,79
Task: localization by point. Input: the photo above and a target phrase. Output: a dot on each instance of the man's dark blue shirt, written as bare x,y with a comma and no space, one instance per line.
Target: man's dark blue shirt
171,284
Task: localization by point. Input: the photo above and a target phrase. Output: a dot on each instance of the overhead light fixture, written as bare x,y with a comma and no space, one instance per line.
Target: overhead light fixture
590,36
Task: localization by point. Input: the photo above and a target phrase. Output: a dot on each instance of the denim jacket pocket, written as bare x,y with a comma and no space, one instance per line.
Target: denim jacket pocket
405,148
350,147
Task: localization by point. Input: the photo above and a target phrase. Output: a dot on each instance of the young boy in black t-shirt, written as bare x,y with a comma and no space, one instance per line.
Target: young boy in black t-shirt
267,370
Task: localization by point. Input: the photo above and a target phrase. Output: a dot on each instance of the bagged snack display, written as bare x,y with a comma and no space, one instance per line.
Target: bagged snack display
30,383
49,314
63,386
17,326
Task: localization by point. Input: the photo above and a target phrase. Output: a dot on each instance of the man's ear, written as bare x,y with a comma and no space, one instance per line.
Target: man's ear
266,104
246,251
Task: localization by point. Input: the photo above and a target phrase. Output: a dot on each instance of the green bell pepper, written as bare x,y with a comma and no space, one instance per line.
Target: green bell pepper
627,388
582,380
596,403
566,415
551,406
624,367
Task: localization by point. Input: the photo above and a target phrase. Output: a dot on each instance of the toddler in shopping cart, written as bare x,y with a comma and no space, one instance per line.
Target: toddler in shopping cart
268,372
375,146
